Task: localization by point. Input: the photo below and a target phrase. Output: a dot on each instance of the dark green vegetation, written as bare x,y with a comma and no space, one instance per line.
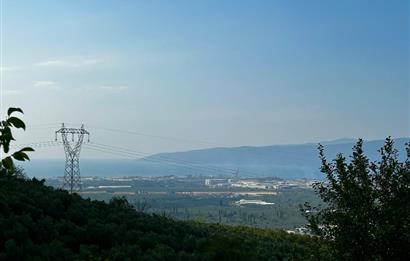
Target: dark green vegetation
283,215
367,213
41,223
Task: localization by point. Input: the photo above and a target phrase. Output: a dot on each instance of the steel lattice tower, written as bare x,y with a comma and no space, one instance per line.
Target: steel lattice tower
72,178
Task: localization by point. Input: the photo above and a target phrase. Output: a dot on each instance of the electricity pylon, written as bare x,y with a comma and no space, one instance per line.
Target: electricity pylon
237,173
72,178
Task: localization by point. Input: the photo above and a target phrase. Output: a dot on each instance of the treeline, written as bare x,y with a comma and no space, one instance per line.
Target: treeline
38,222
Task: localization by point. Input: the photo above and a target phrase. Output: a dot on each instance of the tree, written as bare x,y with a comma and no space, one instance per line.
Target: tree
6,136
367,205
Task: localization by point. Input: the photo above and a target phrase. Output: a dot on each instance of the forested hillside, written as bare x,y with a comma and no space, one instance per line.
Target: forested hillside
40,223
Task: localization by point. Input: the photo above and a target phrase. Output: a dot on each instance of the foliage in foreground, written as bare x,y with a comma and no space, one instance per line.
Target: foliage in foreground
6,137
41,223
367,213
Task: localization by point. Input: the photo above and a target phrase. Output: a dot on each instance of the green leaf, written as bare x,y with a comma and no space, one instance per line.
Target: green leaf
16,122
27,149
7,163
21,156
6,147
11,110
7,136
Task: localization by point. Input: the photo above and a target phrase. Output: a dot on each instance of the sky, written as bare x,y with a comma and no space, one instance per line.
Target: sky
181,75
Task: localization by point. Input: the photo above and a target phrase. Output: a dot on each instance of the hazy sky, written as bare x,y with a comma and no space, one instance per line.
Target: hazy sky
227,72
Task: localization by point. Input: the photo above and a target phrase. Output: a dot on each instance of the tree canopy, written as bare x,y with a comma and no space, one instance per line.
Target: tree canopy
366,211
38,222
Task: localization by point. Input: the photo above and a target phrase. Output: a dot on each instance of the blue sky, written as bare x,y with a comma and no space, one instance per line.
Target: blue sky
228,72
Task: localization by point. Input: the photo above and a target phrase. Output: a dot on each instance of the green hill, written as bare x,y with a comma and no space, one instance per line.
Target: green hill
41,223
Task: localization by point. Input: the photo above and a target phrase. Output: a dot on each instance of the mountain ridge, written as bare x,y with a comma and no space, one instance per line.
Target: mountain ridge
286,161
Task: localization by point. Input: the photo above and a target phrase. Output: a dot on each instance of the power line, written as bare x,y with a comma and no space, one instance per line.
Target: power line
36,144
163,158
88,146
155,136
135,155
112,152
127,153
132,132
142,155
139,155
42,125
30,128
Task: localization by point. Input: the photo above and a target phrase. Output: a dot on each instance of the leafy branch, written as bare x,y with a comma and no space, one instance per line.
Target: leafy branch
6,137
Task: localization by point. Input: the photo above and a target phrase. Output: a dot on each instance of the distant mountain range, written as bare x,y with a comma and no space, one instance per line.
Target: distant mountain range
283,161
